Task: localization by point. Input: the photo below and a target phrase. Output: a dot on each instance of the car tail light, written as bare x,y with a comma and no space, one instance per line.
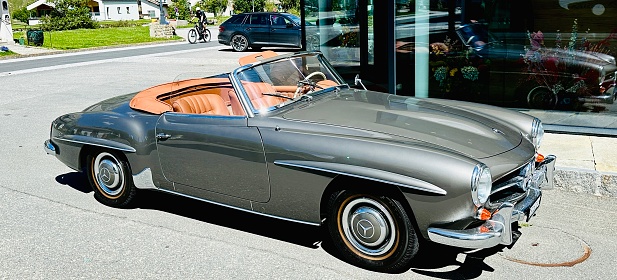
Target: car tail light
221,28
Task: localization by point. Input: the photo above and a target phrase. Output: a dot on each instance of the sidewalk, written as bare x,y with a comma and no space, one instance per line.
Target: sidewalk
585,164
25,50
28,50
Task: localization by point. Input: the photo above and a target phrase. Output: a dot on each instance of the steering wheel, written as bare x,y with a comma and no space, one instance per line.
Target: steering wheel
307,82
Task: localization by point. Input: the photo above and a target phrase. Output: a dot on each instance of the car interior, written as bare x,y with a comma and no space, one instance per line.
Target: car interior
216,96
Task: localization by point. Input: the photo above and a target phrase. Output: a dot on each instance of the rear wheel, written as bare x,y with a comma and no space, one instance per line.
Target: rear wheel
192,36
239,43
110,177
207,36
371,231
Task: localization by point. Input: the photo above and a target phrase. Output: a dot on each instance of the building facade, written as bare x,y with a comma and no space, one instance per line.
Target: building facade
552,59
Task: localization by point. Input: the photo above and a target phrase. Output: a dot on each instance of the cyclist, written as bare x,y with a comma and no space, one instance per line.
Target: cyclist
201,17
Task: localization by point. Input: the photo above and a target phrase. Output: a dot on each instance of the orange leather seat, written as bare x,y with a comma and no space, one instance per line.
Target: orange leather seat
256,92
211,104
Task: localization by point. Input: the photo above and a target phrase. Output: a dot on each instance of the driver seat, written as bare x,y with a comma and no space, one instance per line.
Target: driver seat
256,90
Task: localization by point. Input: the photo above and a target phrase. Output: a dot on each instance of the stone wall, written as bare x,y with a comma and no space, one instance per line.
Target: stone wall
158,30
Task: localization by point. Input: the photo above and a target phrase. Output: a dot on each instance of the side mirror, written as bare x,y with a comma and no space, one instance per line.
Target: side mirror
358,81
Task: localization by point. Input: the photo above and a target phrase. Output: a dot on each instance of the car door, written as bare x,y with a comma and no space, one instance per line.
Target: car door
213,153
283,31
257,28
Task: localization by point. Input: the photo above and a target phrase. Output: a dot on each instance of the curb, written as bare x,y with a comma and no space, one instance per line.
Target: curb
585,181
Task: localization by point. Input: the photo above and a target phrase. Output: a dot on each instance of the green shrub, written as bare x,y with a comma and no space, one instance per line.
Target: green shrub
69,15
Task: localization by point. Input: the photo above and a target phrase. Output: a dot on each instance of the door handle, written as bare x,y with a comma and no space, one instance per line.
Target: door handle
163,136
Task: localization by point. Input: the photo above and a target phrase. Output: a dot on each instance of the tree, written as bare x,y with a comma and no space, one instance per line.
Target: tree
217,7
290,4
184,9
21,14
245,6
68,15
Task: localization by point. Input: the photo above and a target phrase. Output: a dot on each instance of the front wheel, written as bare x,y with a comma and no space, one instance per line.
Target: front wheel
239,43
111,179
541,98
207,36
371,231
192,36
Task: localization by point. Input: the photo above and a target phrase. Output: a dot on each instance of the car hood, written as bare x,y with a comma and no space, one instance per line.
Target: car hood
393,118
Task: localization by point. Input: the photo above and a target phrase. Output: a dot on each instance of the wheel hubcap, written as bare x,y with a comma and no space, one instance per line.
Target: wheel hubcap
368,226
239,43
108,174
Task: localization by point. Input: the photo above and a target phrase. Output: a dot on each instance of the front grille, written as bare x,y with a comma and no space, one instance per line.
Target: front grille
512,187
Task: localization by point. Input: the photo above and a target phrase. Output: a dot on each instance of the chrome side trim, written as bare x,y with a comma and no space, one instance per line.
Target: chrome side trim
143,180
241,209
86,140
365,173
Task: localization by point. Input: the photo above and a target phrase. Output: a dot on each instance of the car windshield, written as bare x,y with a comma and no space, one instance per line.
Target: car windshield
273,84
295,18
476,35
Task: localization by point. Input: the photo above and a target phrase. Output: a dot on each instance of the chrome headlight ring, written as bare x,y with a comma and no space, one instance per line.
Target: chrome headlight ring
481,184
537,133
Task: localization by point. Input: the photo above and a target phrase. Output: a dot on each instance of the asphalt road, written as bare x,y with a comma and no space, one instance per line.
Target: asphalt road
51,227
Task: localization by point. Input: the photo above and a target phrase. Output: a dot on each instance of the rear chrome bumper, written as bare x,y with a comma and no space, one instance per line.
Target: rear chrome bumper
50,148
498,229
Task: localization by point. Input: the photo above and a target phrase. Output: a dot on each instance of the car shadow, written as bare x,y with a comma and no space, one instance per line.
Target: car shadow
299,234
433,258
430,260
75,180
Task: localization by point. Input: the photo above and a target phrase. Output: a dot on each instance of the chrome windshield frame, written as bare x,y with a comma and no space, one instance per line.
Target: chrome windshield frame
243,96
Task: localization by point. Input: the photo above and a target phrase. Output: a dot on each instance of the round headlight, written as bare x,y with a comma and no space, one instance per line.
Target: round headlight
481,184
537,133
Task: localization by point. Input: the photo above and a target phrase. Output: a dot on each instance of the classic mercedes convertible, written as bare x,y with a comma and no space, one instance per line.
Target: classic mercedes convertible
284,136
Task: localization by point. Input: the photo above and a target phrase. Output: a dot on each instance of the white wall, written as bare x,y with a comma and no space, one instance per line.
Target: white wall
147,6
6,31
120,10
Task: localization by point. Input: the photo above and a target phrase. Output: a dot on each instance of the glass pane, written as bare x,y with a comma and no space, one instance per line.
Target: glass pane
332,28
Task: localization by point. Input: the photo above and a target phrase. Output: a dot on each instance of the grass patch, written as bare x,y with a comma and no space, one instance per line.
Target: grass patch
9,53
100,37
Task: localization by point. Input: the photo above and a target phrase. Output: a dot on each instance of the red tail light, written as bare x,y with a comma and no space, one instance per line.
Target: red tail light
221,28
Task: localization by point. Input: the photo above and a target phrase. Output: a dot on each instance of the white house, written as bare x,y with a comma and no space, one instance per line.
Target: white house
119,10
106,9
6,31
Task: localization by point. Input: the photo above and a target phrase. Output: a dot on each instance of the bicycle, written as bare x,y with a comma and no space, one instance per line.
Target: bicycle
206,36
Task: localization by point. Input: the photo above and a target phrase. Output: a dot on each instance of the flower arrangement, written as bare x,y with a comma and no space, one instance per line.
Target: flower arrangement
457,73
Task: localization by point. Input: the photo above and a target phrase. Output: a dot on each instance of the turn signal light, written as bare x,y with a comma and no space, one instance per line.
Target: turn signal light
484,214
539,158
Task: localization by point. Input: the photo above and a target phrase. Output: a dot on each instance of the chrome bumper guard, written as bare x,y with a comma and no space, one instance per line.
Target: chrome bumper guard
50,148
498,230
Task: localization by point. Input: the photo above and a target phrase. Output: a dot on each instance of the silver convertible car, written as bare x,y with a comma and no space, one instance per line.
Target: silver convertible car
285,137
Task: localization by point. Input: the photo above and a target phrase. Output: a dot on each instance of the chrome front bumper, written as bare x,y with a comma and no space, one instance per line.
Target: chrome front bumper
498,229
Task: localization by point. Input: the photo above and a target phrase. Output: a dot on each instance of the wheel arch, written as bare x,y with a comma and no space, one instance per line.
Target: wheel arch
90,149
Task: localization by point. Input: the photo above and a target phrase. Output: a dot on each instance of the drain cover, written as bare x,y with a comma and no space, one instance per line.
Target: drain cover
548,247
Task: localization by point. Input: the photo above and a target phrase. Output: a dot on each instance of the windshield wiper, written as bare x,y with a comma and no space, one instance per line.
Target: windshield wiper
278,95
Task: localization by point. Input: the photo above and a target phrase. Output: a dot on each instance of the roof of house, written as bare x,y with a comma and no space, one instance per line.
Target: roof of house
40,3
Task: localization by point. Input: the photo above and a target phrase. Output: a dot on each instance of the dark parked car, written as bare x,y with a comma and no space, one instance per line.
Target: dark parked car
285,137
258,30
